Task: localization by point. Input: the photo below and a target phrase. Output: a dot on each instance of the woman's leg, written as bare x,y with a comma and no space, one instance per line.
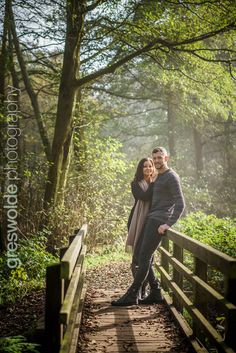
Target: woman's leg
151,240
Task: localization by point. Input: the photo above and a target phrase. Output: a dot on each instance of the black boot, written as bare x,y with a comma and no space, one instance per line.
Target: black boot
143,291
129,298
154,297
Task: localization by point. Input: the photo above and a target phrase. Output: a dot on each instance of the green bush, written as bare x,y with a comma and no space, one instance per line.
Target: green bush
219,233
17,344
102,191
98,193
17,282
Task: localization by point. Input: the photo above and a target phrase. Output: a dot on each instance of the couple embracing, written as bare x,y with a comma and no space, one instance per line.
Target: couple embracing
159,203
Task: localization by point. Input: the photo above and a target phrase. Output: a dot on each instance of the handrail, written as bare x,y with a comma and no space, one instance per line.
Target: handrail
69,259
65,292
222,262
70,293
195,301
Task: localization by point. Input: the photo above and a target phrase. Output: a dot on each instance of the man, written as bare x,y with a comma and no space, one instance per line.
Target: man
166,208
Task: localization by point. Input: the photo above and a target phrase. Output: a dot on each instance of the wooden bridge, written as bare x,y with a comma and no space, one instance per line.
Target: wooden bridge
199,288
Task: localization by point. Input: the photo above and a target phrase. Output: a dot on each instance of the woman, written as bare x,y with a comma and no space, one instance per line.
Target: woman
142,191
141,188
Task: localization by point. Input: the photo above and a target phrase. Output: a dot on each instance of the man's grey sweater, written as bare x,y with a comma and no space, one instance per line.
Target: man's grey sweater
167,199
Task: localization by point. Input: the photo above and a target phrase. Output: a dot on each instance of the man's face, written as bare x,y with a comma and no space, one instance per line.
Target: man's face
160,160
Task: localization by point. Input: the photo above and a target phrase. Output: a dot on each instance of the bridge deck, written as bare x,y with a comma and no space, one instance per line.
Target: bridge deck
127,329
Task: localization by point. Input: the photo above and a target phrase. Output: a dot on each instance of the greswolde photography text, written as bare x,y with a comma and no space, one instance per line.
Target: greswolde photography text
11,174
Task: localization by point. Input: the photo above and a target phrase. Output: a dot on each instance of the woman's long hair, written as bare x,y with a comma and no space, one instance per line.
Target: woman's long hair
139,171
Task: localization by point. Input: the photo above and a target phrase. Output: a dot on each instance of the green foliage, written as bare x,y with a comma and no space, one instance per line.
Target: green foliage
197,195
103,190
32,184
17,282
98,191
107,254
213,193
64,219
219,233
17,344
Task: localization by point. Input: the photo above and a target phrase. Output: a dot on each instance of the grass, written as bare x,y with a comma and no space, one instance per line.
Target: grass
107,254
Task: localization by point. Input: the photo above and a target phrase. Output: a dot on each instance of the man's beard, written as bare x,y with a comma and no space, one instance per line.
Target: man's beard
159,166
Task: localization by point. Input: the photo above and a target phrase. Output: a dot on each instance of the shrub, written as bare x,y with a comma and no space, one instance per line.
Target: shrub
220,233
102,192
17,344
98,193
17,282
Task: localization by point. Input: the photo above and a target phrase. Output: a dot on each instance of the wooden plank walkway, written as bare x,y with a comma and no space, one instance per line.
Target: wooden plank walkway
143,329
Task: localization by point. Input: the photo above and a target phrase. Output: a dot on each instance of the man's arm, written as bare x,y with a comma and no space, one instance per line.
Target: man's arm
138,192
177,194
176,191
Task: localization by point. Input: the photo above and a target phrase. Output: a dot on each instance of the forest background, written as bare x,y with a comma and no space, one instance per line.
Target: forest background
97,85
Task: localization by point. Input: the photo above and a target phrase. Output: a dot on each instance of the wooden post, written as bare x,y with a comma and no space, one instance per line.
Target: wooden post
66,282
54,298
200,269
177,277
230,295
164,260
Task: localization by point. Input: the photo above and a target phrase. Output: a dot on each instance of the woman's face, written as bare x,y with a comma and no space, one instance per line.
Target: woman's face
147,168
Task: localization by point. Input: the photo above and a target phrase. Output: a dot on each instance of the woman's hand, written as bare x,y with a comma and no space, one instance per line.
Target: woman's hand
153,176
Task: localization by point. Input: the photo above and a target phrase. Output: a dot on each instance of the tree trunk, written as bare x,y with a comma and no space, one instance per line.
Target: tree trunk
66,103
29,88
67,154
198,149
171,124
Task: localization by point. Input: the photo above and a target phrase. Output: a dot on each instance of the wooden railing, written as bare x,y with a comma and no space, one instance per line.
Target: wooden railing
191,295
65,292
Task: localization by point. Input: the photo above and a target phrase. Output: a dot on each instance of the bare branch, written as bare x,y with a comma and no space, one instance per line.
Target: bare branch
150,46
94,5
120,95
210,138
193,52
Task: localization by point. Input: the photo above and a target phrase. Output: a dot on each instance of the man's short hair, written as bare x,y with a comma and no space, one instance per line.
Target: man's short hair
160,149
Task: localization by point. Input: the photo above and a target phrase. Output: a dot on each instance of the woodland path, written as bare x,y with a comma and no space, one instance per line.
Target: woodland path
146,328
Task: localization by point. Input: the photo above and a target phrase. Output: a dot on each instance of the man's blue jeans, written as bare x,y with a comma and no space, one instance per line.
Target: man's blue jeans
143,253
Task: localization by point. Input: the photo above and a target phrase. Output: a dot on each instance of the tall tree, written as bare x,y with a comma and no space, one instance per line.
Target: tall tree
101,36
